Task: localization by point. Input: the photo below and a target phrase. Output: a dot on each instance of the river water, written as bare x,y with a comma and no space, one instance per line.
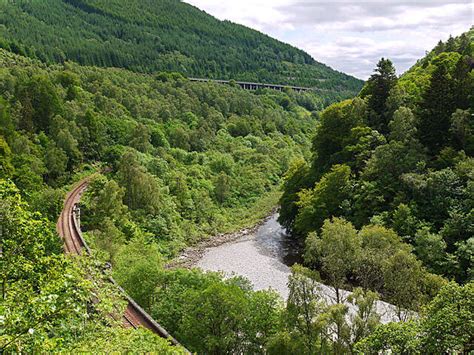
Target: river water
265,258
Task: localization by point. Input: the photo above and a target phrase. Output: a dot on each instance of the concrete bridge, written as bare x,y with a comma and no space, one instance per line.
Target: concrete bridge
254,86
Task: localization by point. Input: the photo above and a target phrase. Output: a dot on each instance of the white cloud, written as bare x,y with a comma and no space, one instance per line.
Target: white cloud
352,35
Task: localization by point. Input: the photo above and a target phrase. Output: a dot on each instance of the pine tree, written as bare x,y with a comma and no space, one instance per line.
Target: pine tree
462,83
437,107
378,90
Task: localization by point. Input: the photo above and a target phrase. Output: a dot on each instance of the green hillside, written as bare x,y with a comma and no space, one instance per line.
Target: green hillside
164,35
391,183
185,160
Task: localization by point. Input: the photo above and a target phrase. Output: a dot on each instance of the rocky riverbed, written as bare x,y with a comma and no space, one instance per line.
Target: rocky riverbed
263,255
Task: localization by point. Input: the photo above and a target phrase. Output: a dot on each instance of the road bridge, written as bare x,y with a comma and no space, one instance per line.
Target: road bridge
246,85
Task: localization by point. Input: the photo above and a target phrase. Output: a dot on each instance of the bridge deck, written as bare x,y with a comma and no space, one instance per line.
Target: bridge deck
254,86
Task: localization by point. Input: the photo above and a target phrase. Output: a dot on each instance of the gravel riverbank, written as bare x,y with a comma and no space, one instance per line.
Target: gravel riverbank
191,255
262,255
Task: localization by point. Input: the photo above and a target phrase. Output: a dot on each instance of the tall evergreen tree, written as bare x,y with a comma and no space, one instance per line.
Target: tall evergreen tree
378,89
462,83
436,109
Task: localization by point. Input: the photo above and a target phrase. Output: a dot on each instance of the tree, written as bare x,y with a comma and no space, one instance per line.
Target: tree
323,201
140,138
445,327
462,130
137,268
360,146
465,259
296,178
142,190
334,133
56,161
108,238
338,328
305,310
66,142
437,107
403,126
222,189
48,201
404,222
385,176
93,135
378,245
397,338
106,201
214,318
6,167
40,103
45,298
262,320
377,90
397,98
337,251
431,250
402,274
7,126
119,339
448,322
463,81
366,318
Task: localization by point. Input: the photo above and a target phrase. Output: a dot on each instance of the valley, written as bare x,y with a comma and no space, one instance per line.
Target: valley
171,182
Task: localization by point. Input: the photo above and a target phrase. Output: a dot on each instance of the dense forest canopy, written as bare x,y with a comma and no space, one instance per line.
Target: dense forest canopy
184,160
187,159
400,154
391,181
150,36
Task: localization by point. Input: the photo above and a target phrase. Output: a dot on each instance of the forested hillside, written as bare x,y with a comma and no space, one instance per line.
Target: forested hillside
181,161
187,159
387,201
150,36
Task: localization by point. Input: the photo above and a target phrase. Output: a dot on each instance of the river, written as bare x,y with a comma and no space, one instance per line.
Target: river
264,258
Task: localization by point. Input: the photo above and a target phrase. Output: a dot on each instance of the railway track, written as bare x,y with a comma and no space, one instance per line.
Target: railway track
74,244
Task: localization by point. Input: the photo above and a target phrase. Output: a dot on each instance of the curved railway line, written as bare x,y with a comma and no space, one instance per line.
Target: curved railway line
74,243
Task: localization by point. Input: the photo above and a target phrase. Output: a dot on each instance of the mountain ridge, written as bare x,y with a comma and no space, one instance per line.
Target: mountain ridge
168,35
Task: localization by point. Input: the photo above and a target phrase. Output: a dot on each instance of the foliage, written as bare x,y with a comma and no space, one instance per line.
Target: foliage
446,326
374,258
448,323
407,142
306,310
313,324
212,315
184,160
377,90
324,200
46,298
336,252
119,340
187,159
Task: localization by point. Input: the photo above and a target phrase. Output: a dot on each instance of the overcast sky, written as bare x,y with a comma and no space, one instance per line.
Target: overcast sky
351,36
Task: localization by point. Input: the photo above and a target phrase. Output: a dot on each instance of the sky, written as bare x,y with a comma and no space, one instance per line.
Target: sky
351,36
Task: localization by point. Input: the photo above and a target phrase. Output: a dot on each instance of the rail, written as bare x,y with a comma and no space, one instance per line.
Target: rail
70,232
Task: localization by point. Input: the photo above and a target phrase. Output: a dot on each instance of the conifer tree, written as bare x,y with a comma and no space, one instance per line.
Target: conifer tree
378,90
436,108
